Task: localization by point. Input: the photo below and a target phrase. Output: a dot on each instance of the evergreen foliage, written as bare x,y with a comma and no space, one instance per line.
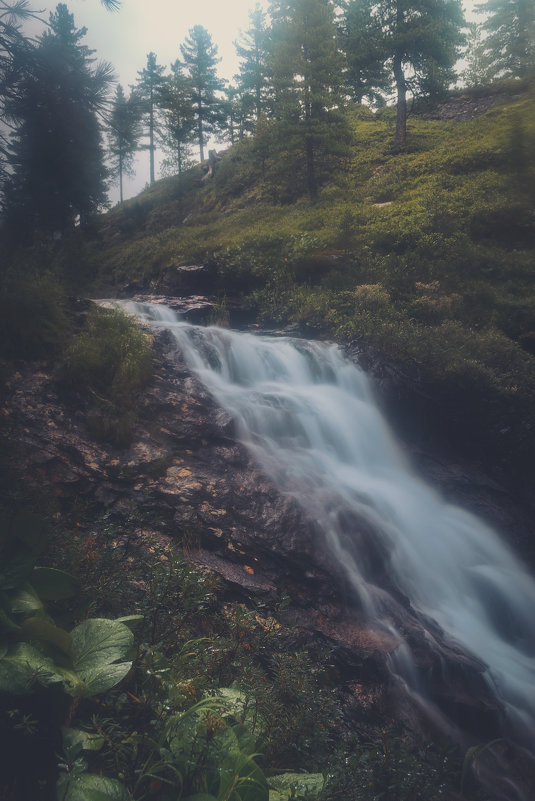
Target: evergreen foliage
478,70
363,43
124,131
200,59
305,70
57,174
149,83
252,49
14,49
418,41
509,44
178,122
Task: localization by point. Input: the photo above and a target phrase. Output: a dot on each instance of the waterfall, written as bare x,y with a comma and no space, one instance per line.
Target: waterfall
308,416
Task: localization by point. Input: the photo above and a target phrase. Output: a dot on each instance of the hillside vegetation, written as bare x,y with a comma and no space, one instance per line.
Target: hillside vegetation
426,254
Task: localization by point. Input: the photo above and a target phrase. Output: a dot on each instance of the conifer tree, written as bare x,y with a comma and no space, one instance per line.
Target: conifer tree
478,70
509,43
306,68
361,39
200,59
149,83
178,119
15,51
252,49
420,44
124,132
57,172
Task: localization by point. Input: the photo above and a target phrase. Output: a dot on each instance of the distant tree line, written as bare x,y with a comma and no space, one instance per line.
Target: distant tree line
301,64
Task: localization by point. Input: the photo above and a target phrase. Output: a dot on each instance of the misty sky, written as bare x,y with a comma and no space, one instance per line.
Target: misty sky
124,37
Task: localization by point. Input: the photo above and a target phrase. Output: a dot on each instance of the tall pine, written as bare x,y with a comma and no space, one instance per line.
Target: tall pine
150,81
56,159
124,132
306,69
509,43
252,50
178,119
419,42
200,59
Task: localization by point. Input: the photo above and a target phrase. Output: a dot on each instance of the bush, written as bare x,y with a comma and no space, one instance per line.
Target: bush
109,361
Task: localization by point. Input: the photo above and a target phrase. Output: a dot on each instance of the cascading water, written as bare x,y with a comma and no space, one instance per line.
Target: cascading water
308,416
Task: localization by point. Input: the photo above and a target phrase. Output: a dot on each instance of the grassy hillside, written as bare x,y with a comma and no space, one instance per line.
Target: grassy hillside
427,254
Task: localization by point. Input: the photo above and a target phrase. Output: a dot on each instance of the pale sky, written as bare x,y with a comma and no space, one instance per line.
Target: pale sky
126,36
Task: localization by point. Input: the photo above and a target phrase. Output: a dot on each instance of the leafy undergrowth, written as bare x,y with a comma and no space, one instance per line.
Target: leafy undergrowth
223,701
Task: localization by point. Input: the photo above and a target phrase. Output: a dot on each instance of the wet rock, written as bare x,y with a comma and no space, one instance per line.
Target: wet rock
188,473
184,280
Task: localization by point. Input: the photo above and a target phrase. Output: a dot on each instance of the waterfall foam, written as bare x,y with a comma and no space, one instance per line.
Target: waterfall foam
308,416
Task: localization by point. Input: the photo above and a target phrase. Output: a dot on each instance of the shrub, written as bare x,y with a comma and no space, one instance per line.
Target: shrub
109,361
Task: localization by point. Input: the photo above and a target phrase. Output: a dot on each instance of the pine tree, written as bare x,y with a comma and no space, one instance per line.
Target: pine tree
252,49
149,83
15,51
124,132
199,56
421,42
178,120
362,40
478,70
56,159
306,68
509,43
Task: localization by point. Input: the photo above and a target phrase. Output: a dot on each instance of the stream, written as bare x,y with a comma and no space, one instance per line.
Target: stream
308,416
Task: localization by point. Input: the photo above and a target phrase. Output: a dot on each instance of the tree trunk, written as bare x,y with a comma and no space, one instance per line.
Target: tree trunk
401,107
311,170
201,138
121,178
151,136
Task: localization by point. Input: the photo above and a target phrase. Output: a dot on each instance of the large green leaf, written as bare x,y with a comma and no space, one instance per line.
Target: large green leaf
23,666
25,602
131,620
53,585
101,680
90,787
98,642
97,646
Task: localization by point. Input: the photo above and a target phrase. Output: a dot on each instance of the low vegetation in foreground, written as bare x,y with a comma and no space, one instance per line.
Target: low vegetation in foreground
189,697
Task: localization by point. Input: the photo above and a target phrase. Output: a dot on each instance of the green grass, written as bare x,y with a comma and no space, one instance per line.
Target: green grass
445,231
108,363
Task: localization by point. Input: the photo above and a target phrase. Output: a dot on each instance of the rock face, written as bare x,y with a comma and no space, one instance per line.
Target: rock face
186,469
445,451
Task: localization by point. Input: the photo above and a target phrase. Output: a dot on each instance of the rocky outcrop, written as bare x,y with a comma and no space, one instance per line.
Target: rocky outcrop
186,470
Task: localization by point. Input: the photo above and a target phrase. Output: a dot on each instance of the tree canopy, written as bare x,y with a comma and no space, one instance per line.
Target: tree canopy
56,160
200,59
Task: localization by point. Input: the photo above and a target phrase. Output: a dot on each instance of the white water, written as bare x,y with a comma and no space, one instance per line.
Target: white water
309,418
